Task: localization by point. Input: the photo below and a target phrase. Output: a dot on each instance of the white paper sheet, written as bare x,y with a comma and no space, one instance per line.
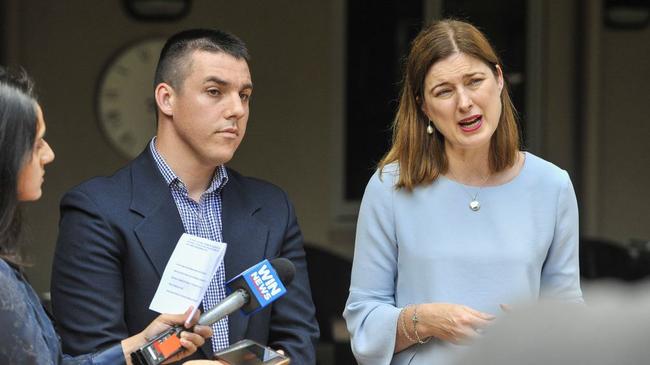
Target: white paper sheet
187,275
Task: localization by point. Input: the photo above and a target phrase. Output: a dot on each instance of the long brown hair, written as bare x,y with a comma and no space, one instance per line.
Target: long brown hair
421,157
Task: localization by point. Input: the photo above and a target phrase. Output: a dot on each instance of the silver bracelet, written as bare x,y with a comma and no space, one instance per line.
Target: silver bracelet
415,328
402,313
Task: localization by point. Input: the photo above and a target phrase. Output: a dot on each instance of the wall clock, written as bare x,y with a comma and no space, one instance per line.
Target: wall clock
126,108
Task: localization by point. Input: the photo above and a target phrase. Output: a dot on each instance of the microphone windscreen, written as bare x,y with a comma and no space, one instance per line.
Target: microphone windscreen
285,268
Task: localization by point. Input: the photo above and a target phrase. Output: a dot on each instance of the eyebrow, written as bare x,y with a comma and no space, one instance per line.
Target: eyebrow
223,82
466,76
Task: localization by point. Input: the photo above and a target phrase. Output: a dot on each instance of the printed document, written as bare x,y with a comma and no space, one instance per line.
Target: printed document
187,275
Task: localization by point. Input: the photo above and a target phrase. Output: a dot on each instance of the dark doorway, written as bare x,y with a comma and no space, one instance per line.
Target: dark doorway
379,34
3,32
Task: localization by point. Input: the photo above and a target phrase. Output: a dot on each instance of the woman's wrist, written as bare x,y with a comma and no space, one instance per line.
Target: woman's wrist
410,325
403,326
415,320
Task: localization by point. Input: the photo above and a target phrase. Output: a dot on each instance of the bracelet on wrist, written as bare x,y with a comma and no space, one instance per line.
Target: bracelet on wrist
415,321
402,314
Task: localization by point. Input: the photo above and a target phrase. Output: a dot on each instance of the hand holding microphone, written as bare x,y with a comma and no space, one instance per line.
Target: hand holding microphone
252,290
188,340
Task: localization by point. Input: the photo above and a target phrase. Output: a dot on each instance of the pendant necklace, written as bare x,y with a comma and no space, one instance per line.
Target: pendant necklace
474,204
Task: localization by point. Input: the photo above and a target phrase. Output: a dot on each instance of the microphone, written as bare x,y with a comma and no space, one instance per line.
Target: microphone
251,291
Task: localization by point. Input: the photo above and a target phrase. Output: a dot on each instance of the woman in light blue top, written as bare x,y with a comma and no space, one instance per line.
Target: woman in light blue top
457,222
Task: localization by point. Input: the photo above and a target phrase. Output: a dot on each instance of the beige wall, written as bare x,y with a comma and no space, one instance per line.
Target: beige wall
623,137
558,84
614,157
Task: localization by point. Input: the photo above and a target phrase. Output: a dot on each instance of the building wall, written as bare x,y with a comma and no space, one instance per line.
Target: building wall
294,137
623,148
594,96
558,84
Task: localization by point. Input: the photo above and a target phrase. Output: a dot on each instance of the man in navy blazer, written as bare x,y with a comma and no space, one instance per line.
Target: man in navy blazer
117,233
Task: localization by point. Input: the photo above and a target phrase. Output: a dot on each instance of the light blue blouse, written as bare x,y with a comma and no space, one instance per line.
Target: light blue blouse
428,246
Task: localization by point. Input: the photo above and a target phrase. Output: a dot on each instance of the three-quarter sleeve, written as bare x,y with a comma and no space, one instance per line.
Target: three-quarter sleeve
561,271
370,311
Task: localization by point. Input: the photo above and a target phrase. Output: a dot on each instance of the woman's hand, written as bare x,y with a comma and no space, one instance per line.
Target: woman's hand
453,323
190,340
507,308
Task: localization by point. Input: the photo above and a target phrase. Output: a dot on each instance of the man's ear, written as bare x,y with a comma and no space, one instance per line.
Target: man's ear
165,96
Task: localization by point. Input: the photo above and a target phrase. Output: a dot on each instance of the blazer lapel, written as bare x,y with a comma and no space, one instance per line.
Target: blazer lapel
161,226
246,237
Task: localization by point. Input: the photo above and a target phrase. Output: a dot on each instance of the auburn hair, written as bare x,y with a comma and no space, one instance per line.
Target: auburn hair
421,157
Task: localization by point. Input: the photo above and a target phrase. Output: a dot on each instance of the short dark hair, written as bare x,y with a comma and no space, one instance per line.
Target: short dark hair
17,134
172,66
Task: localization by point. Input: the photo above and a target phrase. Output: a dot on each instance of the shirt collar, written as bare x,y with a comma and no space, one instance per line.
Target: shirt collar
219,179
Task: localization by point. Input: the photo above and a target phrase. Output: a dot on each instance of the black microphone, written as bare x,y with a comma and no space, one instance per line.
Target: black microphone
252,291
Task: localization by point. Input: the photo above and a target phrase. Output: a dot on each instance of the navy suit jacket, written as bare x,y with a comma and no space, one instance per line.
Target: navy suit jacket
117,233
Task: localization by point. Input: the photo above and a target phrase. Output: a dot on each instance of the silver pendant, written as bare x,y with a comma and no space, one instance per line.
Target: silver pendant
474,205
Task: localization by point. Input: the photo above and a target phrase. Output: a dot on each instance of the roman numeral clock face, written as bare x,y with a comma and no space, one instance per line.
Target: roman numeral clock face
125,104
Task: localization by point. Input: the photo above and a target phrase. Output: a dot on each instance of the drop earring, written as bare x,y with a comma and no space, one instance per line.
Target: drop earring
430,128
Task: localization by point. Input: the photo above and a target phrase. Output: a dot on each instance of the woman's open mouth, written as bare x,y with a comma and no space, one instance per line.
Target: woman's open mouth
471,124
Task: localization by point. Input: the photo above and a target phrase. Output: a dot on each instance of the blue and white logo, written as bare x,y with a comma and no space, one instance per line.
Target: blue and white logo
264,282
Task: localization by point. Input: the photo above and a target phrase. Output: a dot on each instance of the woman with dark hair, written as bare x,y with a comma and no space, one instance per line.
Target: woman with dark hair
28,336
457,222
